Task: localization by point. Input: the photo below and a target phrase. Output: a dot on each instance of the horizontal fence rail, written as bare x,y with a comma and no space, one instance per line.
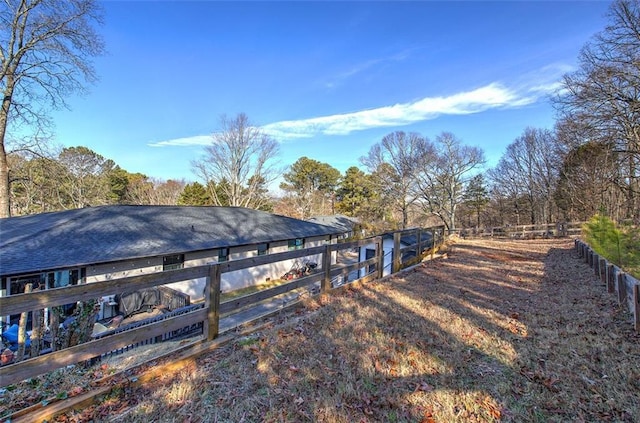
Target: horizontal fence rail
551,230
623,285
202,319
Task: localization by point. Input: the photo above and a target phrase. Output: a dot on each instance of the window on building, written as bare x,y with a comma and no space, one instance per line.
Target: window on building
296,244
262,249
223,255
65,278
17,284
173,262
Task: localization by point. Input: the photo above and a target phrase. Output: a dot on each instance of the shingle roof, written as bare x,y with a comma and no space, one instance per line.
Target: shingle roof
112,233
338,221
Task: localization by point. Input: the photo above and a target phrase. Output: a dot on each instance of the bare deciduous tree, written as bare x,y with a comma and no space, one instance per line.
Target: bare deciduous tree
166,193
395,163
529,170
442,180
46,48
602,98
240,162
586,184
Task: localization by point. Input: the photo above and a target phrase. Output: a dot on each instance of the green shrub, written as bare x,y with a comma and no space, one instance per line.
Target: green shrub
619,244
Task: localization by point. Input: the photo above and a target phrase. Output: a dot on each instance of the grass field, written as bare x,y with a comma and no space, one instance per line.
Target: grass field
513,331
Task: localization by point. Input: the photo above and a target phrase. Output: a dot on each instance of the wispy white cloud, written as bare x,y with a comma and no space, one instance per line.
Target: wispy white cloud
183,142
545,81
488,97
548,88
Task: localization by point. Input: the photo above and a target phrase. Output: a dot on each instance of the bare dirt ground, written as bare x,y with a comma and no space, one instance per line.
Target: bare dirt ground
514,331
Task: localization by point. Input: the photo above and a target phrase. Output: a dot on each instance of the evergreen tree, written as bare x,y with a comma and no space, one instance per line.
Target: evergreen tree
476,196
194,194
355,193
311,183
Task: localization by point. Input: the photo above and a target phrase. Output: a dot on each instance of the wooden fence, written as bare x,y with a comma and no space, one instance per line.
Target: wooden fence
552,230
205,317
623,285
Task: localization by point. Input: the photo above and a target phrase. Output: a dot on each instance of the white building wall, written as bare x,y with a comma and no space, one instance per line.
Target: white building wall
387,248
229,282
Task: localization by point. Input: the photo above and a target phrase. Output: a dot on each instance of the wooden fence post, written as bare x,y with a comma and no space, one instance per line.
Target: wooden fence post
636,307
595,264
622,288
419,244
380,254
611,276
587,255
396,252
433,242
213,310
22,329
326,268
603,270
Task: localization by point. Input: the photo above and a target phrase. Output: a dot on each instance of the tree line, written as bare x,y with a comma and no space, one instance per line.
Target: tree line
587,163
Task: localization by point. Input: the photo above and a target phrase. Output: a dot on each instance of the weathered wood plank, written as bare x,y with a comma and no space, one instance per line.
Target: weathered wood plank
338,270
350,244
246,263
602,269
611,277
380,257
32,367
17,303
81,401
256,297
622,288
630,283
587,254
636,307
395,259
325,285
213,303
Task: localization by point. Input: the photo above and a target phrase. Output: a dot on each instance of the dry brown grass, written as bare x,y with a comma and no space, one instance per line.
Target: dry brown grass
496,331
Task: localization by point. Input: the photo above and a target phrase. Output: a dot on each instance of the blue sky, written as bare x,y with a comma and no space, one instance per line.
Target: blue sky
326,79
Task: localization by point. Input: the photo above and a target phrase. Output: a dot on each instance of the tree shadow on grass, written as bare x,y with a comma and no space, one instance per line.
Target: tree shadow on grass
470,338
406,349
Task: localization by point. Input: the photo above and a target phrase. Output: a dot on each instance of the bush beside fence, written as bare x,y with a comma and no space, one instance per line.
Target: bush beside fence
623,285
